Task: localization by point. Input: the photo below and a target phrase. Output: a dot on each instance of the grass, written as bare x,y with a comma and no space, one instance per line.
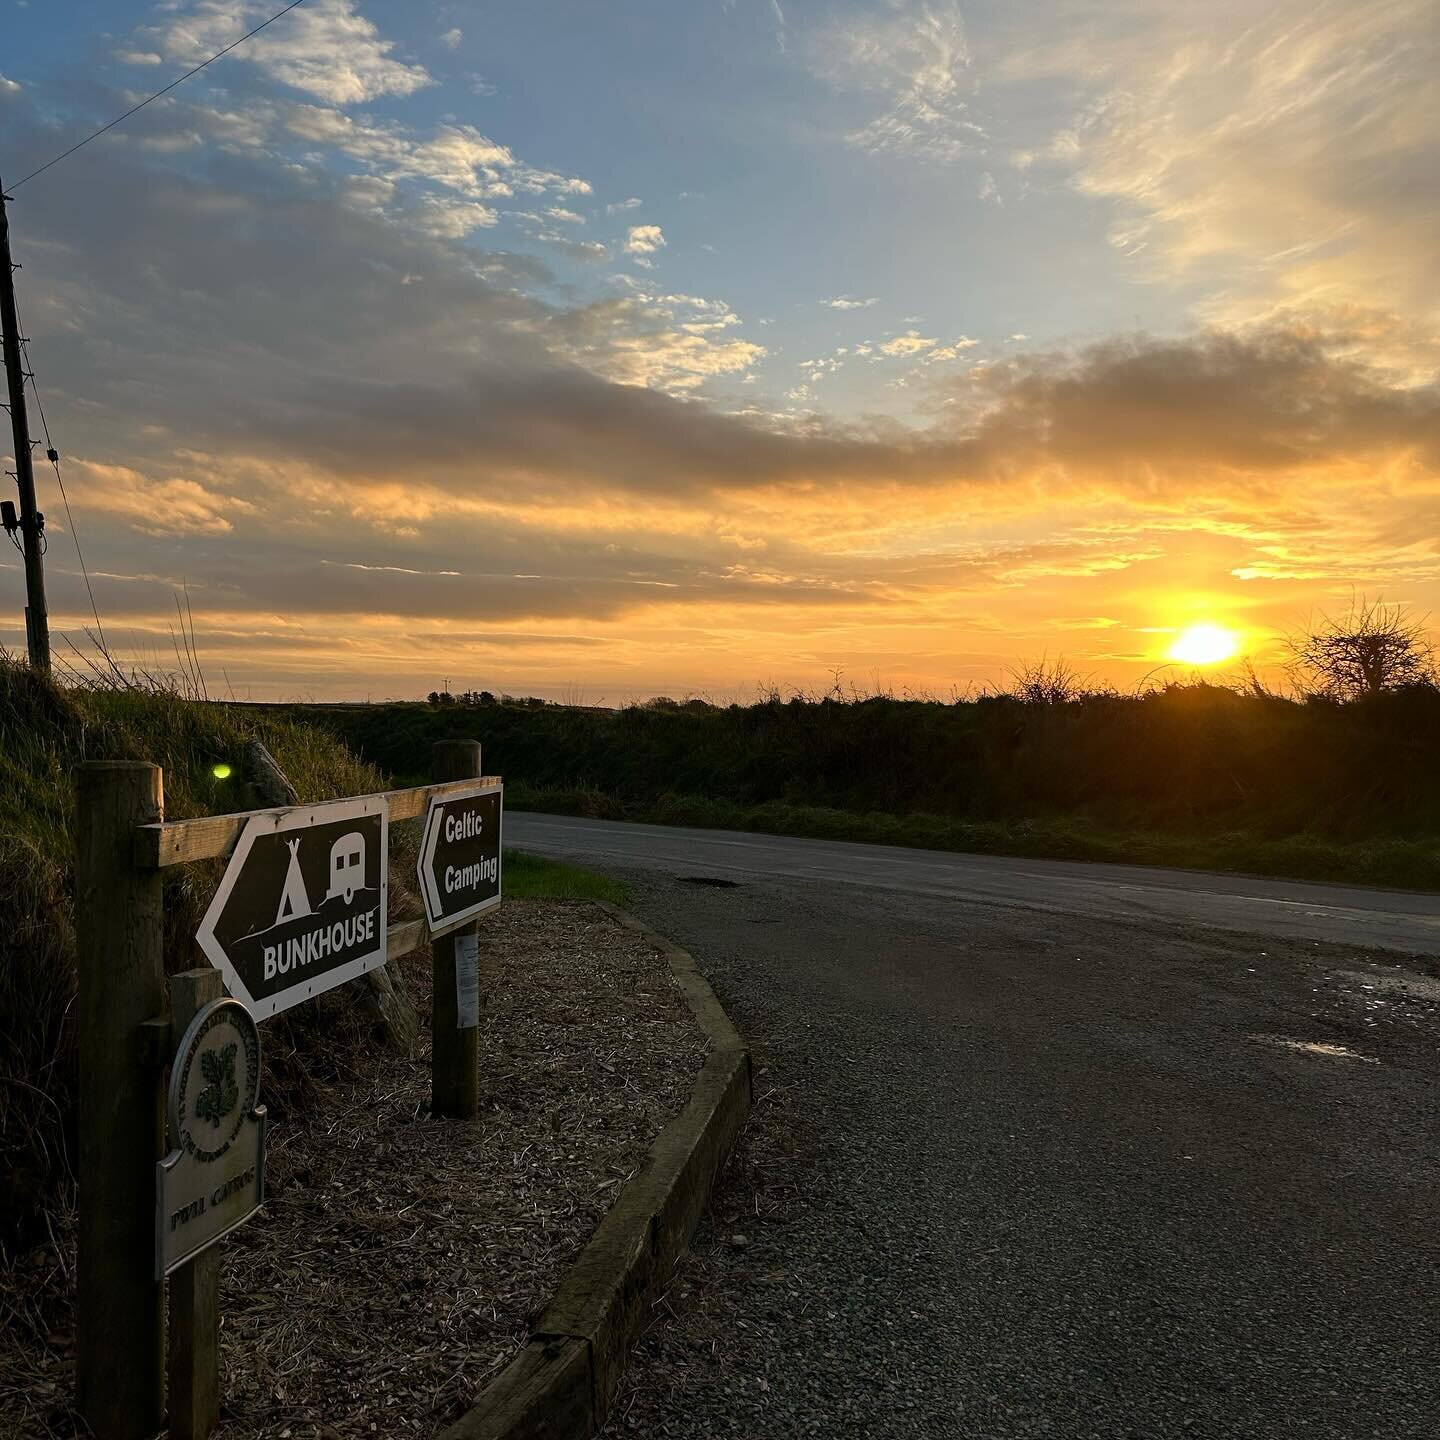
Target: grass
532,877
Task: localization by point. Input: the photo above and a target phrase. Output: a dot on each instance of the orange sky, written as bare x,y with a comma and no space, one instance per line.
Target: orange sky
928,341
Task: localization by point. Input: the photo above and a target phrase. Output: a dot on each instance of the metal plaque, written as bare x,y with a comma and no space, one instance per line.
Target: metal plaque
301,907
214,1179
459,865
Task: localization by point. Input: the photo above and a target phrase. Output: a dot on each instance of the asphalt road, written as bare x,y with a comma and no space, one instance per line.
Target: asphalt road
1395,919
1097,1151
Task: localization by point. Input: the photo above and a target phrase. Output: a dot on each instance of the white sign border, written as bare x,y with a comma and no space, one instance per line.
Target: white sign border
431,838
279,822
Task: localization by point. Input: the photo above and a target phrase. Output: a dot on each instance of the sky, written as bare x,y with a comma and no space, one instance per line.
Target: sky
600,352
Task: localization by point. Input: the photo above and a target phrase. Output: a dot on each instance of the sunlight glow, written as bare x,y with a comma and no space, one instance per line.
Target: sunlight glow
1204,645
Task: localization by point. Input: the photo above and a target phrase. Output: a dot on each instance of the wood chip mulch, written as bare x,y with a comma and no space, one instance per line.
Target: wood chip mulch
400,1260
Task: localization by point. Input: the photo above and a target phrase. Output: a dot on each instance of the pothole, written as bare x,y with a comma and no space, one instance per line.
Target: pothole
1316,1047
712,881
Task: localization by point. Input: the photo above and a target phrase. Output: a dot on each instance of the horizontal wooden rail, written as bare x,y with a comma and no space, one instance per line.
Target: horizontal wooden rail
212,837
401,939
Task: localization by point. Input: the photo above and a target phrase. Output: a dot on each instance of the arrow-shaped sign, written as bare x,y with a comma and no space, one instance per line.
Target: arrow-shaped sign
301,906
459,865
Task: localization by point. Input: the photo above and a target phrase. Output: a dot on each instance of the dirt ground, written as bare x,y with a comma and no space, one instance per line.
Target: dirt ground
400,1260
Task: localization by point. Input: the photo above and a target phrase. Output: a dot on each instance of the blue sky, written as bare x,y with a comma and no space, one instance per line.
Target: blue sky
641,346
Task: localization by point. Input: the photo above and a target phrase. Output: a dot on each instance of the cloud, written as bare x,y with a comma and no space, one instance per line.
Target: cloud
1279,158
619,205
910,343
138,57
323,48
452,39
471,172
517,461
849,302
667,342
174,506
913,54
644,240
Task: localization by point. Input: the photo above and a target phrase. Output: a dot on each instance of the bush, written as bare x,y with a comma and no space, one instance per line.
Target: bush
1183,759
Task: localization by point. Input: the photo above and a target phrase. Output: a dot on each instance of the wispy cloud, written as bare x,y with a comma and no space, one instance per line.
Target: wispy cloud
324,48
1276,155
913,55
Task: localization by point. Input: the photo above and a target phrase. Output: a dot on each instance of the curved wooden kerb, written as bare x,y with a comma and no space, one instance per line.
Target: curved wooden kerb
562,1383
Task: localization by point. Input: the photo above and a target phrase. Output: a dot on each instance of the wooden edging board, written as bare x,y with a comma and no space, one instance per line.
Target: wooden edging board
562,1383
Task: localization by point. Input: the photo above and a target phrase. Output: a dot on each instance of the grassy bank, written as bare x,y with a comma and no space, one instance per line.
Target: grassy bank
1191,775
45,733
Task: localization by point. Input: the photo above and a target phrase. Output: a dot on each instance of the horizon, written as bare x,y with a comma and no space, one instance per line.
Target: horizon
639,353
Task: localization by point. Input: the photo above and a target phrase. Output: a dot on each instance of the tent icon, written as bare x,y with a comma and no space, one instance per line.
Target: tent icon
294,902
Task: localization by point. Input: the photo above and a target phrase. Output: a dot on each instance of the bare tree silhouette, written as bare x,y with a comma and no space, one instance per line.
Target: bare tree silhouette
1372,648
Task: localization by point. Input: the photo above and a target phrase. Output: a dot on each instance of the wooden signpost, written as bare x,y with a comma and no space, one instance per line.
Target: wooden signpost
301,908
455,1048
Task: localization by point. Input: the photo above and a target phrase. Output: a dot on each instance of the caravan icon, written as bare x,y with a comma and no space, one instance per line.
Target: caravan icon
347,866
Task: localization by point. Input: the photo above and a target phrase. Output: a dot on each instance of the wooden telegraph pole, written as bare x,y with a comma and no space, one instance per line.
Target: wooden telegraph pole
31,523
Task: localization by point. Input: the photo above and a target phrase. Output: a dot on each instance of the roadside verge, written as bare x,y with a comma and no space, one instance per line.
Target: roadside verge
561,1384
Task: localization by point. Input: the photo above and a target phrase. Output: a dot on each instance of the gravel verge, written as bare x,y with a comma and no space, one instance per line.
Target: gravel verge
401,1260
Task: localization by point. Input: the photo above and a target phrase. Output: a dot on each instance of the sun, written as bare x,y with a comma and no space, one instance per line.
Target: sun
1204,645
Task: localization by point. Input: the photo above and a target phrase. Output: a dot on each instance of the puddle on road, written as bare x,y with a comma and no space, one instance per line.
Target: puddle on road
712,881
1316,1047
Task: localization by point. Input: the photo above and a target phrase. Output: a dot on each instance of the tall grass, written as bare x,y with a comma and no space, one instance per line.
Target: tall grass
46,731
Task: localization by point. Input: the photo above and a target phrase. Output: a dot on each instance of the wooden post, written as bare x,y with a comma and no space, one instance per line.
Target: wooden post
119,925
454,1053
194,1394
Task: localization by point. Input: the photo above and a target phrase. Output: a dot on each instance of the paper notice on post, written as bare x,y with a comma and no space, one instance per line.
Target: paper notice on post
467,981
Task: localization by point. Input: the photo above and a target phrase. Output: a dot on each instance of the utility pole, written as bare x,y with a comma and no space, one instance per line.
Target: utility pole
31,523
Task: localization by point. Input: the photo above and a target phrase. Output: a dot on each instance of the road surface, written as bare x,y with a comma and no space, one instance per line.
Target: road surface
1088,1151
1393,919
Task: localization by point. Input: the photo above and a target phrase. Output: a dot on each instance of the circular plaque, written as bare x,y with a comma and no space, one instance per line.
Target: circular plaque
215,1080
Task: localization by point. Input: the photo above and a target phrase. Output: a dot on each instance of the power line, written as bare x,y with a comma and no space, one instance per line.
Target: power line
53,456
135,108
